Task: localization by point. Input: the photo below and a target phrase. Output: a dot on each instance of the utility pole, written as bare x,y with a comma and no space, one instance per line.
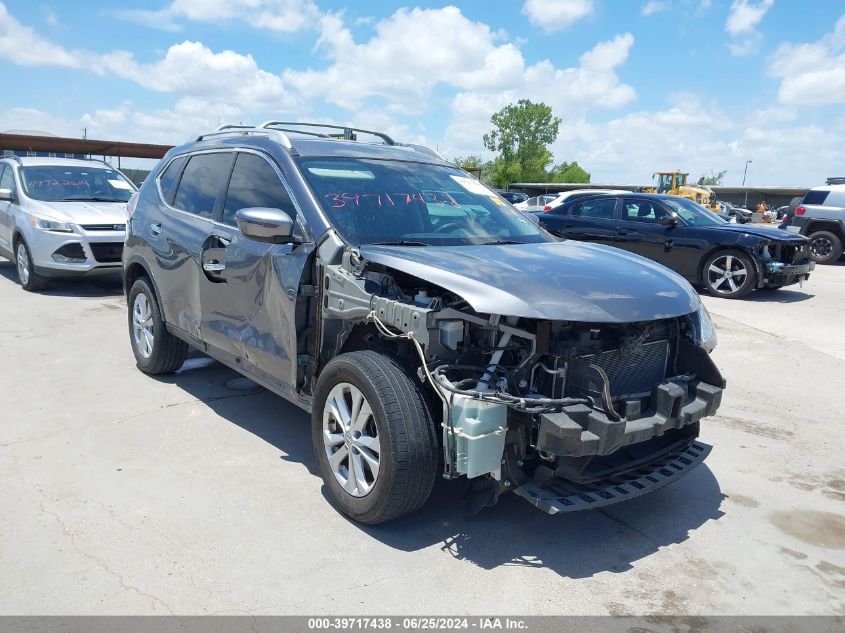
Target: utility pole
747,163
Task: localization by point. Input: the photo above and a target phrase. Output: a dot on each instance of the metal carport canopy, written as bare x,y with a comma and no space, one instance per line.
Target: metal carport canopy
62,145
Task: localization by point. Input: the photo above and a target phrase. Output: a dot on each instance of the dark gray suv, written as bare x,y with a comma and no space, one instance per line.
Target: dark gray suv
428,326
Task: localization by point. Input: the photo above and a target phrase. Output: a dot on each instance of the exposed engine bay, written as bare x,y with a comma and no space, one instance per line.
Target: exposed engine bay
568,414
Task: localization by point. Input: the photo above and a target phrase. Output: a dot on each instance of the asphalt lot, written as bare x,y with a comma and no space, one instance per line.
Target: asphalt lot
195,493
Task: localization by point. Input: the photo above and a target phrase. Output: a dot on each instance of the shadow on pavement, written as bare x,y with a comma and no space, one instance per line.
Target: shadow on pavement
104,285
513,533
784,295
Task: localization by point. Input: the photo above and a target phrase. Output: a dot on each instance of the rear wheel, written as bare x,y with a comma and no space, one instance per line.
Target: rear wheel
156,350
825,247
374,437
729,274
28,278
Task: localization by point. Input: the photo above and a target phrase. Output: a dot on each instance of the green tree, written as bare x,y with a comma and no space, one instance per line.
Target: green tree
568,172
713,177
469,162
520,136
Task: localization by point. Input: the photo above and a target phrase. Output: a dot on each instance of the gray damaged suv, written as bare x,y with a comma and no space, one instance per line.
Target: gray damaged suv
428,326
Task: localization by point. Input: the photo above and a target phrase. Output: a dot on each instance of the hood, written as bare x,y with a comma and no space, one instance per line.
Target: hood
84,212
757,230
562,281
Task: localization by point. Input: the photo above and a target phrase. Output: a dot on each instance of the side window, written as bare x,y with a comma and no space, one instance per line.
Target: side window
202,182
600,209
7,178
641,210
254,183
815,197
170,178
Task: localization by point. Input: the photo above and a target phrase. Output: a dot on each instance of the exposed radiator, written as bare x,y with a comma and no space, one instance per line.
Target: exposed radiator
632,374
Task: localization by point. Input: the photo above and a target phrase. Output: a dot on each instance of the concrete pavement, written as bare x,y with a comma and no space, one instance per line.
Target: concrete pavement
195,493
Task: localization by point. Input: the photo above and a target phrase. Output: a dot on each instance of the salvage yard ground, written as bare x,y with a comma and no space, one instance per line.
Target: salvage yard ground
195,493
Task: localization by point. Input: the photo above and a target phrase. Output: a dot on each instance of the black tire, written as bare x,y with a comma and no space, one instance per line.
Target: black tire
720,259
409,448
167,352
29,280
825,247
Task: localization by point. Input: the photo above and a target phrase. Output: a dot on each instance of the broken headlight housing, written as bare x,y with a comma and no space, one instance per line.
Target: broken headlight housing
703,330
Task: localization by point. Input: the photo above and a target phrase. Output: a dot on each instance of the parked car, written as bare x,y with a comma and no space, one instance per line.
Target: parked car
576,194
514,197
430,328
741,214
821,217
61,217
729,260
537,203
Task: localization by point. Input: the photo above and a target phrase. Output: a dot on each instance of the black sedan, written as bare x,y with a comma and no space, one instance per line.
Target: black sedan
729,260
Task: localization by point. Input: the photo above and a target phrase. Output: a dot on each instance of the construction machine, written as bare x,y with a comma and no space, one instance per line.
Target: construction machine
674,183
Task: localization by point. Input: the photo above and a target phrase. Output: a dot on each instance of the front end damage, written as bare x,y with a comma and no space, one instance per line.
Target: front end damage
570,415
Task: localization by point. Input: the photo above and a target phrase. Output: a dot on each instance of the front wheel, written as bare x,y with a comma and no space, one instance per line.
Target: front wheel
729,274
28,278
156,350
374,437
825,247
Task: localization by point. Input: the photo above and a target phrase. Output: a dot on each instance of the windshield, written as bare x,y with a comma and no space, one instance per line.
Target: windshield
53,183
384,201
693,213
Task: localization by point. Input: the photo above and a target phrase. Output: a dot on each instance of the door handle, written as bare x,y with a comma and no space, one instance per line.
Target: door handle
622,231
155,228
213,266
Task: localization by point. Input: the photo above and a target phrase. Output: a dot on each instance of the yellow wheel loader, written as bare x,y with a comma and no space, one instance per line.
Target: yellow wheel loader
674,183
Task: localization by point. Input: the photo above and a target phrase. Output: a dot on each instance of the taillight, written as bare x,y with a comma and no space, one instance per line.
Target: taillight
130,206
800,211
547,208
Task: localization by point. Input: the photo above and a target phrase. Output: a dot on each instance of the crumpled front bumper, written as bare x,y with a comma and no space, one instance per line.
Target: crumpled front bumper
559,495
777,270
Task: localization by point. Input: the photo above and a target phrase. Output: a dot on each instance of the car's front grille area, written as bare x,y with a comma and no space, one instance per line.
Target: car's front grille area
70,253
789,254
107,252
630,374
104,227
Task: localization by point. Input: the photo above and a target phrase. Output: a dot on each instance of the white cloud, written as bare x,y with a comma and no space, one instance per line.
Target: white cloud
744,15
553,15
23,46
656,6
192,69
571,92
277,15
743,18
812,74
467,57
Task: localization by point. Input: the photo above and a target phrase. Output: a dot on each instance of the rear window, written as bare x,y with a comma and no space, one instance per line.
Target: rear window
202,182
170,178
815,197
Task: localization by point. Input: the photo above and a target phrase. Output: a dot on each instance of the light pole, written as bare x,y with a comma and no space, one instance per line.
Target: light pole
747,163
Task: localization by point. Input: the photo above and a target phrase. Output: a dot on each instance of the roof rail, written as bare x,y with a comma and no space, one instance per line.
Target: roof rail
347,131
14,157
232,129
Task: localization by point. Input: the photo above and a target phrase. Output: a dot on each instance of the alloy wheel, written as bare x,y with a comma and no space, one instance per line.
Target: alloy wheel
351,439
23,264
726,274
142,325
821,247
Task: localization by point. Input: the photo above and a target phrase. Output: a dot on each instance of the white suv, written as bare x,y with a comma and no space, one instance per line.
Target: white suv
61,217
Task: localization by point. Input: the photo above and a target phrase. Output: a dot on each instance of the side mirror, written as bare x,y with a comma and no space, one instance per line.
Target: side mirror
265,225
533,217
6,195
669,220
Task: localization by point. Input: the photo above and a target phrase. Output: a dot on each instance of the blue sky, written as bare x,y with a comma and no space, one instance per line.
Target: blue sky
640,85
